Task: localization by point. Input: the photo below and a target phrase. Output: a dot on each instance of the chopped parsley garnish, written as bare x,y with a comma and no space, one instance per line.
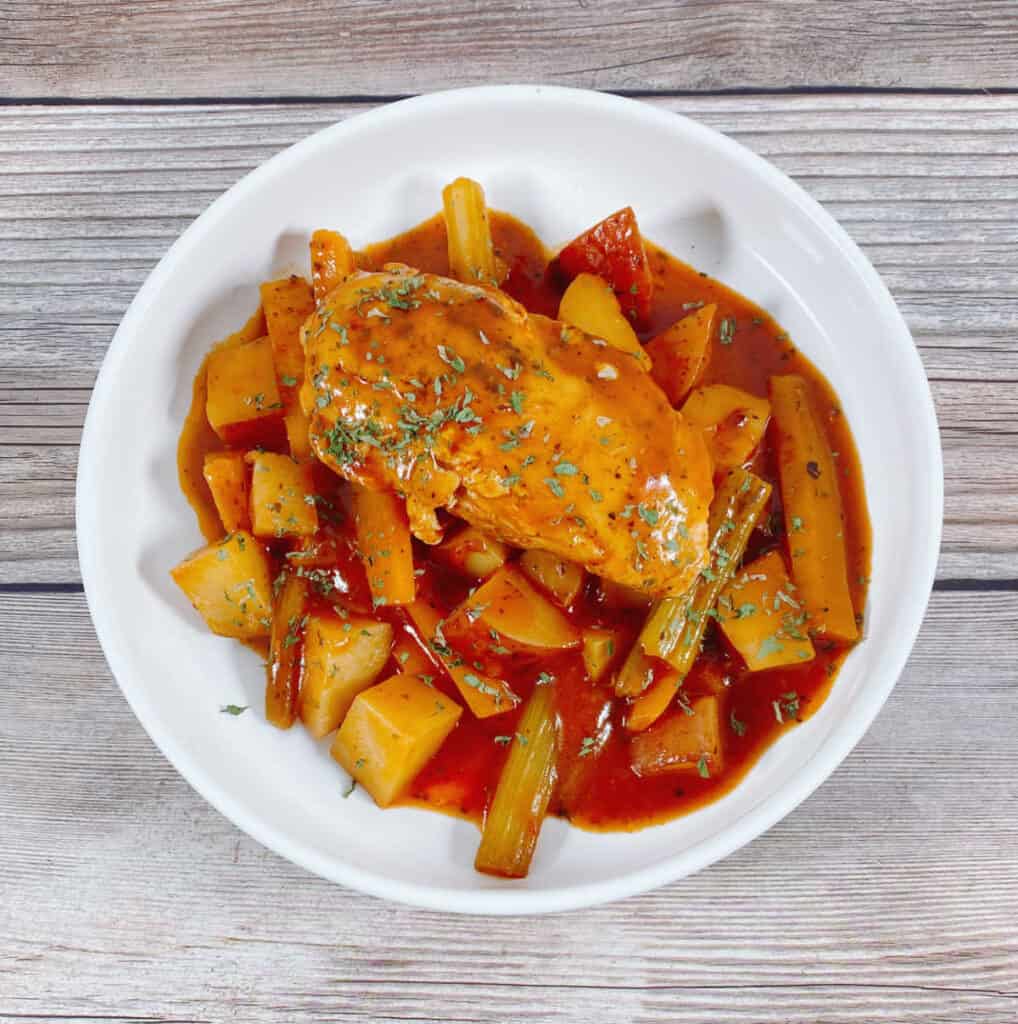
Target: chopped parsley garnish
233,709
727,330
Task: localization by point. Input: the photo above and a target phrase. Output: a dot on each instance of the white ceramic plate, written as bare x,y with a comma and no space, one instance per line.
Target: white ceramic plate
559,159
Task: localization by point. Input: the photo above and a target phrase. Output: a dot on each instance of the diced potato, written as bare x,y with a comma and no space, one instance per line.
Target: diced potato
298,431
287,302
562,579
286,646
390,732
342,656
732,421
679,353
282,496
383,539
471,253
590,304
332,261
687,740
618,596
600,647
243,404
228,477
230,585
813,515
484,695
650,705
410,657
762,617
473,553
508,606
614,249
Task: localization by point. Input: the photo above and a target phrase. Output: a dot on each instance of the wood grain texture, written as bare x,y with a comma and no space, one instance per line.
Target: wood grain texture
90,198
136,48
889,896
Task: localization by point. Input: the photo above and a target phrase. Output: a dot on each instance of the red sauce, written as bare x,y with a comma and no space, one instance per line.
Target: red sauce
602,792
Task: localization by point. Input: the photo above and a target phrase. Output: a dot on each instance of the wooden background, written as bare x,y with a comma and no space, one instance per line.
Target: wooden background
891,895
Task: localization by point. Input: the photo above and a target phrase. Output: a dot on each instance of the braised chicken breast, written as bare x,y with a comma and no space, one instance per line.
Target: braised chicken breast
453,396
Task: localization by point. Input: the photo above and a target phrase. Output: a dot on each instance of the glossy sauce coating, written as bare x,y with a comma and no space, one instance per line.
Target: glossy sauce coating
602,792
530,430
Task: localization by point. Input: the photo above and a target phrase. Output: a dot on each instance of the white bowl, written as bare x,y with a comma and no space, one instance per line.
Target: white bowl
559,159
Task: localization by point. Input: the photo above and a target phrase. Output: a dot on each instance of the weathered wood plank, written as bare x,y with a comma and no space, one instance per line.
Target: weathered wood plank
90,198
253,48
890,895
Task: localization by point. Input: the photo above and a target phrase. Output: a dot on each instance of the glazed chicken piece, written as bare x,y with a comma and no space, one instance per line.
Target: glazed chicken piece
452,395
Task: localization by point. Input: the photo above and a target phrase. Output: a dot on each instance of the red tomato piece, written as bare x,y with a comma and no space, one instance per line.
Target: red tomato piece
613,249
534,289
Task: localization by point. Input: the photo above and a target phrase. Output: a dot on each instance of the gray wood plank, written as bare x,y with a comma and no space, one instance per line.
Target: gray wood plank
50,48
91,197
890,895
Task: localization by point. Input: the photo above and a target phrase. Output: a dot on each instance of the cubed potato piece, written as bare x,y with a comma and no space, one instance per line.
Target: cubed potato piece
508,606
679,353
732,421
342,657
688,740
411,659
600,646
473,553
229,480
230,585
618,596
484,695
282,496
391,731
298,431
287,302
243,404
760,613
590,304
332,261
562,579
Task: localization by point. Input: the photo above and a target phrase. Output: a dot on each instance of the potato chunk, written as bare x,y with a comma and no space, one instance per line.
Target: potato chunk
590,304
680,353
733,422
282,496
600,647
760,613
243,404
390,732
562,579
473,553
342,657
228,478
287,302
230,585
686,740
509,607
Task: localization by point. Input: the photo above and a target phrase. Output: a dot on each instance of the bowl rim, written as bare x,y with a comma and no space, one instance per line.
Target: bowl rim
512,900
